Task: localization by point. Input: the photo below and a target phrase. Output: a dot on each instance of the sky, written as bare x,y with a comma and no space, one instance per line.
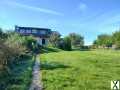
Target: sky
86,17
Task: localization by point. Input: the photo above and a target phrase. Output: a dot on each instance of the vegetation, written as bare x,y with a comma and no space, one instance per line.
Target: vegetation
104,40
116,39
77,41
72,40
54,39
67,44
107,41
80,70
15,50
20,76
62,70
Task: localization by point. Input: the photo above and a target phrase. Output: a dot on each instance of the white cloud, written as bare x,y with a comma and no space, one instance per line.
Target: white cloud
82,6
38,9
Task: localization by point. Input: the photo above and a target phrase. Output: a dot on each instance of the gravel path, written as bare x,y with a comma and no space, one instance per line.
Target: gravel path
36,81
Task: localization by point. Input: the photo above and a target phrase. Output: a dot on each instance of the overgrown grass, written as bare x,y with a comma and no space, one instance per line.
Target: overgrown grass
80,70
20,77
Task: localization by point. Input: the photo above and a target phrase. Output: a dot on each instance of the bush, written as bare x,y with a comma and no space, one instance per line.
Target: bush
67,44
12,49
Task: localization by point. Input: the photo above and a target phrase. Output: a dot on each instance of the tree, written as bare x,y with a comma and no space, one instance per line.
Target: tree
76,40
116,38
103,40
2,35
67,43
54,39
16,42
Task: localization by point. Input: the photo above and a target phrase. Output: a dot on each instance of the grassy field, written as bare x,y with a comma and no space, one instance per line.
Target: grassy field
80,70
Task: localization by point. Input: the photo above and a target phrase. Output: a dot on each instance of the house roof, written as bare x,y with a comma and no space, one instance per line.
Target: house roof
36,34
29,28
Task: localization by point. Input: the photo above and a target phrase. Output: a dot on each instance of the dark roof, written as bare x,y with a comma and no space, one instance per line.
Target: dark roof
26,28
37,34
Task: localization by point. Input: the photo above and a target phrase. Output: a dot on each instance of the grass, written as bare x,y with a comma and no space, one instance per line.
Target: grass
20,78
80,70
46,49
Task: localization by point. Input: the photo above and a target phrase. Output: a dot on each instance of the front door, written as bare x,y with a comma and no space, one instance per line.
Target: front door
43,41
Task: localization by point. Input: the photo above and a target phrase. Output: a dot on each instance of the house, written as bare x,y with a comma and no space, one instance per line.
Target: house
41,34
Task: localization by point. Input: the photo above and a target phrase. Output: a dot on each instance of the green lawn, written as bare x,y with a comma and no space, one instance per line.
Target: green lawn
80,70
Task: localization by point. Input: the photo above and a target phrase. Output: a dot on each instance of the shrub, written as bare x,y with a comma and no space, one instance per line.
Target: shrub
67,44
11,50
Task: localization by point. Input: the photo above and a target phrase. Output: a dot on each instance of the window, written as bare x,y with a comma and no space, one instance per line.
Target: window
34,31
42,32
22,31
28,31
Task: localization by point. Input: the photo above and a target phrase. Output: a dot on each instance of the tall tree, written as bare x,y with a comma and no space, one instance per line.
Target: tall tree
54,39
103,40
67,43
76,40
116,39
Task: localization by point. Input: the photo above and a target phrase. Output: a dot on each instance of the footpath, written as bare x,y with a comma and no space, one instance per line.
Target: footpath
36,80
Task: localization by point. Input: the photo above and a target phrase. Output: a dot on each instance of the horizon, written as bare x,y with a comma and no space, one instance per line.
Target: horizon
88,18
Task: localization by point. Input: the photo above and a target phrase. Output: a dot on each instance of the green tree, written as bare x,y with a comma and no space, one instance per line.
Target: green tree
104,40
67,43
2,35
116,39
76,40
54,39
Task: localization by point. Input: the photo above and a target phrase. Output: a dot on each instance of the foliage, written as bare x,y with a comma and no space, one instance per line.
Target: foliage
67,44
54,39
13,48
13,70
17,43
104,40
2,35
72,40
116,39
76,40
80,70
21,74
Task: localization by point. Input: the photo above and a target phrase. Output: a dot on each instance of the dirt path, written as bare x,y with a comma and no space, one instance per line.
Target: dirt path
36,81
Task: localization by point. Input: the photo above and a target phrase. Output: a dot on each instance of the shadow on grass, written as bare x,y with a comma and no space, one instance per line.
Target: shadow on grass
53,66
81,49
49,49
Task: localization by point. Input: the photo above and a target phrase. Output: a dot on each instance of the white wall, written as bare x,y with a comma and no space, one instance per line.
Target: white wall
39,41
46,41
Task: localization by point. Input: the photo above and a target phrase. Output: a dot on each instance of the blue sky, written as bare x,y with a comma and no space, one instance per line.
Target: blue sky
86,17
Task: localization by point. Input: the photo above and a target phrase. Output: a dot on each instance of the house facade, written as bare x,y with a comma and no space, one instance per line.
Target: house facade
41,34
